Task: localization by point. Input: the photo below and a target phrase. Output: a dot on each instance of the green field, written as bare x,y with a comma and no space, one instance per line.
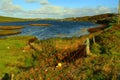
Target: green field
12,54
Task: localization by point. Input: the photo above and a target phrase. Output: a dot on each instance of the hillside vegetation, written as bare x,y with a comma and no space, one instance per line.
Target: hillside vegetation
10,19
101,19
26,58
65,59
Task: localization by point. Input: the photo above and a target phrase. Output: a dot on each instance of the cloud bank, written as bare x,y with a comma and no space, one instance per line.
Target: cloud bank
47,10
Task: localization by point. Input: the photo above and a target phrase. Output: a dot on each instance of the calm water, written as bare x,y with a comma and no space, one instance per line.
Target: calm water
58,28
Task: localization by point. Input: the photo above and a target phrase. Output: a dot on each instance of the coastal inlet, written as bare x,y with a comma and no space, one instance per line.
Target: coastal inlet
45,29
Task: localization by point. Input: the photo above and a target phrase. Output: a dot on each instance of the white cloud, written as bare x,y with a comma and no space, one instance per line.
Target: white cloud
10,7
42,2
49,11
78,12
7,8
30,1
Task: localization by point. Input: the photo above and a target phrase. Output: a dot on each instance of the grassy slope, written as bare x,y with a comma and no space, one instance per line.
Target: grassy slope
109,40
12,55
9,19
104,64
12,19
100,19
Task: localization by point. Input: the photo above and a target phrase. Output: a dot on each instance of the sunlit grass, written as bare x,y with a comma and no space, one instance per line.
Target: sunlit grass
99,66
11,54
47,60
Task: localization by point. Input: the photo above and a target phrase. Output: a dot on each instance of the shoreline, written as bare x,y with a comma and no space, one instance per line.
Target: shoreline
96,29
90,30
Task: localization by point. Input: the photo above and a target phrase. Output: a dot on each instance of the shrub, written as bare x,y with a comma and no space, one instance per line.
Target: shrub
96,48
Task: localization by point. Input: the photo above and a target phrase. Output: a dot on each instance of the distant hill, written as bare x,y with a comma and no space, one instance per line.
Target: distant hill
12,19
9,19
102,18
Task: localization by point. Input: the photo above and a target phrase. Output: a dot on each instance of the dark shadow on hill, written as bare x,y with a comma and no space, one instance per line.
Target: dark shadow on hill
6,77
74,55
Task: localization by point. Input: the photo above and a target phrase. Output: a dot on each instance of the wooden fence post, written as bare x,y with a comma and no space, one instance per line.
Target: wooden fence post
94,39
87,43
12,76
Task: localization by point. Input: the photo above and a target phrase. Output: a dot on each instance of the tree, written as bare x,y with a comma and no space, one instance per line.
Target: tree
119,12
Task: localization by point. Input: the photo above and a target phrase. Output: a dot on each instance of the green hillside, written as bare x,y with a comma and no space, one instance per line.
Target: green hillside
10,19
100,19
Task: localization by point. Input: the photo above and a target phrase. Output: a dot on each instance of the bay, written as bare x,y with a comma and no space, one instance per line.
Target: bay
57,29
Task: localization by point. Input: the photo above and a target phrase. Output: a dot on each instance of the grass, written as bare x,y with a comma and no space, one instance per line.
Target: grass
10,19
11,54
41,58
13,19
109,41
101,65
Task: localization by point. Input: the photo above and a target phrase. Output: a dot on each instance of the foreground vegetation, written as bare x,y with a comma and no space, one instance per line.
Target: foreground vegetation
12,54
28,58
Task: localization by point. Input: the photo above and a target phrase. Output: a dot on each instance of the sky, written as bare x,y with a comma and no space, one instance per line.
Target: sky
56,8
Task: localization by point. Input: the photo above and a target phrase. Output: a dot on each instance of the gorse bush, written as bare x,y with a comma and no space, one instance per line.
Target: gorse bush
109,40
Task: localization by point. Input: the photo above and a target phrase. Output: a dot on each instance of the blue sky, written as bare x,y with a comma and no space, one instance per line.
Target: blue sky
56,8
